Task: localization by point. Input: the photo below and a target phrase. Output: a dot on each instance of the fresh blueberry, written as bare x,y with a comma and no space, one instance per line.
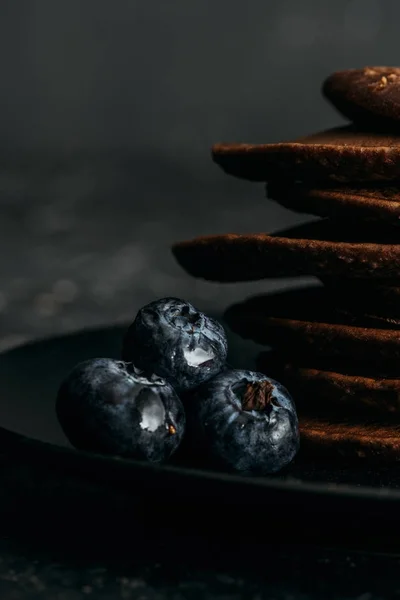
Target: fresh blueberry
107,406
245,421
172,338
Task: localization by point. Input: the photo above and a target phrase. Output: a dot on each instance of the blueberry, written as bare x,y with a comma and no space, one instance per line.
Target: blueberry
172,338
245,421
107,406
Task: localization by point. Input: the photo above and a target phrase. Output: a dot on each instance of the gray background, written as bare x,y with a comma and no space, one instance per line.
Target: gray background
107,114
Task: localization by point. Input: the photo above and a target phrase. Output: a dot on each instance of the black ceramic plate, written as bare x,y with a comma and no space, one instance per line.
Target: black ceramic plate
313,499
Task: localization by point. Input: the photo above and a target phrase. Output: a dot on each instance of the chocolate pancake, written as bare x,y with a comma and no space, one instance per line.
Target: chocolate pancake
376,203
334,388
342,413
365,298
369,96
320,248
327,438
344,155
305,322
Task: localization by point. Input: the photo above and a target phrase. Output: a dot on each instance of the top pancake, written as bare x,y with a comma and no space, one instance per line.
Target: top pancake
369,96
342,154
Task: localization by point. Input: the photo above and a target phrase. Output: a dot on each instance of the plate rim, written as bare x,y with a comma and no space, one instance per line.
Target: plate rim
289,485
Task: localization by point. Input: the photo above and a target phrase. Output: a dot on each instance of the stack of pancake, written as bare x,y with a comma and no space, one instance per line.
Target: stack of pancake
337,346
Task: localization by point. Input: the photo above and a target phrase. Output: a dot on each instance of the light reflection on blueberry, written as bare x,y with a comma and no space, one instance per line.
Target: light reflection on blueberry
152,411
198,356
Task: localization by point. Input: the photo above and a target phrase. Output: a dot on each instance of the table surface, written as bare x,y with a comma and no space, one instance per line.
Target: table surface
84,242
26,573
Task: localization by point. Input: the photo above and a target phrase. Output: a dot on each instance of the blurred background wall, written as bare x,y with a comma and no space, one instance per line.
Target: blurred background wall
107,114
173,76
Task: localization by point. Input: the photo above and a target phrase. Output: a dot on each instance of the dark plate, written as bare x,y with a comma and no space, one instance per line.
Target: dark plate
313,501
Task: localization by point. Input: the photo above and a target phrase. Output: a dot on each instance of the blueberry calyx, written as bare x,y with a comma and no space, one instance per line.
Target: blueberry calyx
256,395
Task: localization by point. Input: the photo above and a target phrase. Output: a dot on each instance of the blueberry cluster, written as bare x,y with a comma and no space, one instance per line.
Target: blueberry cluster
173,381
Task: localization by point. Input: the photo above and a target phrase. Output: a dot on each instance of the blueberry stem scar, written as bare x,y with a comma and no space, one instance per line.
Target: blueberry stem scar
257,395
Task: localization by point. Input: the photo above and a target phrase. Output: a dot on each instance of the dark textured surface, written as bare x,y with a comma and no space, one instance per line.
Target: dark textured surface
281,574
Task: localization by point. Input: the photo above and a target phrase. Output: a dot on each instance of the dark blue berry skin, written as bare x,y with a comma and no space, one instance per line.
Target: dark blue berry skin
239,431
106,406
171,338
